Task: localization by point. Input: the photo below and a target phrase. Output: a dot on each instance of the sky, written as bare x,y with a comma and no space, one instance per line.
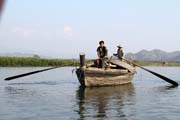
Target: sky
65,28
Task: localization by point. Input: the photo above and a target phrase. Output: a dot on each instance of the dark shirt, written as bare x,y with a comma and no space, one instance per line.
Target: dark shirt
102,51
120,53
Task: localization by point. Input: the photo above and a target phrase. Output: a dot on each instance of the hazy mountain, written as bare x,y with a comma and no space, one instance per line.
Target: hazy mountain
154,55
17,54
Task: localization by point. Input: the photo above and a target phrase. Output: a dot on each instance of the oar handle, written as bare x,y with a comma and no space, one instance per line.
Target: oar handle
130,62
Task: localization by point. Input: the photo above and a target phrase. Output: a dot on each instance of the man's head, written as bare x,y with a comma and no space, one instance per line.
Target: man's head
101,43
119,46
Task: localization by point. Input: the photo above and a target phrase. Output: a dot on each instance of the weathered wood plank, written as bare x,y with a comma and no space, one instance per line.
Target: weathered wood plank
123,65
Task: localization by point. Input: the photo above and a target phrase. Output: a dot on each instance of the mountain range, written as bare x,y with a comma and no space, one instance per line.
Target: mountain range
154,55
17,54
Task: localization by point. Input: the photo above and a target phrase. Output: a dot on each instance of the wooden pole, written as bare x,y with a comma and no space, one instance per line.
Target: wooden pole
82,59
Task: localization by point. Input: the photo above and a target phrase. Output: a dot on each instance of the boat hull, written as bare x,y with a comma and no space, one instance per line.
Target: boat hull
103,77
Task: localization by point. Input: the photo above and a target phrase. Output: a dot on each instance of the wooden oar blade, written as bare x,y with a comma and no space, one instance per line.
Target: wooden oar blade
22,75
156,74
162,77
26,74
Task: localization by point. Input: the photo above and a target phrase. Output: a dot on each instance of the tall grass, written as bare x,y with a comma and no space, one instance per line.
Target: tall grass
31,61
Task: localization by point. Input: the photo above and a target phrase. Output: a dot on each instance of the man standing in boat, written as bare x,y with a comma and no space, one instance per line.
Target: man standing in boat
120,52
102,53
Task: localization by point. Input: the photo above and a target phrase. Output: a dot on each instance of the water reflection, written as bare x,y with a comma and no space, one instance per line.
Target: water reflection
21,91
36,83
105,102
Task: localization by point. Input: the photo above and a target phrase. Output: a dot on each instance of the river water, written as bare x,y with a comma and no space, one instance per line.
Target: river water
57,95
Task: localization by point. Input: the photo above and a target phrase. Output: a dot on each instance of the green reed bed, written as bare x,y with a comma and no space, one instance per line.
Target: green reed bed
38,62
35,62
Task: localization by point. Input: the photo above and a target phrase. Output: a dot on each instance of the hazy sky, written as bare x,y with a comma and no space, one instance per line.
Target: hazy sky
63,28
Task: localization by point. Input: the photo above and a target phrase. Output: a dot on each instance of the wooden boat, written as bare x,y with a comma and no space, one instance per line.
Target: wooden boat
118,73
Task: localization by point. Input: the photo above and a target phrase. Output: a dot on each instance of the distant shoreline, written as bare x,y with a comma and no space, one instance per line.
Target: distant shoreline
41,62
157,63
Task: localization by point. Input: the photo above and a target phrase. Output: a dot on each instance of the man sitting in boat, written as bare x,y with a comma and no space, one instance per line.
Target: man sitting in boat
120,53
102,53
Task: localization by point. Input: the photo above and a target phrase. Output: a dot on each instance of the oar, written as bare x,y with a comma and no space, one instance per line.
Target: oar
154,73
29,73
